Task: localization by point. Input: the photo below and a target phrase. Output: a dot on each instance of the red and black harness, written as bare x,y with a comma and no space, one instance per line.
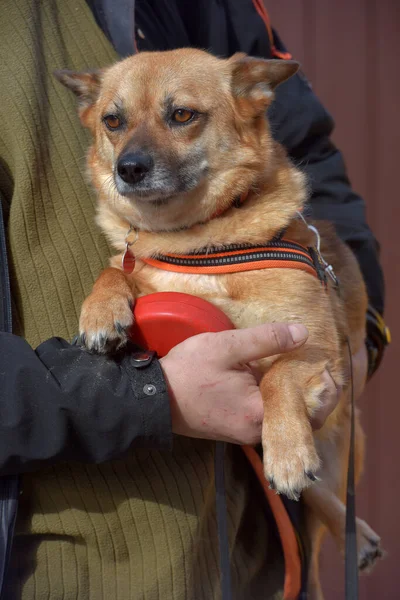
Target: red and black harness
279,253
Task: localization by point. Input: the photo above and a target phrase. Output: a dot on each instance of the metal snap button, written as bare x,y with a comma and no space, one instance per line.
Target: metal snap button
142,359
149,389
141,356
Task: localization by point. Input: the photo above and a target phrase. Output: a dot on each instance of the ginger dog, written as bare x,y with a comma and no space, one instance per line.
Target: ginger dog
177,137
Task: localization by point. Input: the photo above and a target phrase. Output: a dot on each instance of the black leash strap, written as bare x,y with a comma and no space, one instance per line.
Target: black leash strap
222,522
351,552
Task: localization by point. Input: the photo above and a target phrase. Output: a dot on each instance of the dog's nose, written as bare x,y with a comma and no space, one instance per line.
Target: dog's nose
133,167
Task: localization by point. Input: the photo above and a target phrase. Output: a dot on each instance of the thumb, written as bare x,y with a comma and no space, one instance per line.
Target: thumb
244,345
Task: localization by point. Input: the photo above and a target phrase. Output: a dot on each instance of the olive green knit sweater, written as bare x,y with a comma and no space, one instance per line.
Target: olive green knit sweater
142,527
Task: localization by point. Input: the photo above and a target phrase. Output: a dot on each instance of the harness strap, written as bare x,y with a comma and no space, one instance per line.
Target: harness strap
236,258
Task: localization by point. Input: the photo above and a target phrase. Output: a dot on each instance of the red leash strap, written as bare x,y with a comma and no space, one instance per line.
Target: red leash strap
290,547
262,11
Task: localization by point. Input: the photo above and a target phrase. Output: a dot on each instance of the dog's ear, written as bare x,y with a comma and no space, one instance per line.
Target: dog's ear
86,86
255,79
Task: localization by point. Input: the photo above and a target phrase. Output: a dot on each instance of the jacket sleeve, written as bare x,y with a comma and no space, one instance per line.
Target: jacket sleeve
301,123
62,403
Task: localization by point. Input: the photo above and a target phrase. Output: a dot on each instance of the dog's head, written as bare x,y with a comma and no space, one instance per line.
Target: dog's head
177,135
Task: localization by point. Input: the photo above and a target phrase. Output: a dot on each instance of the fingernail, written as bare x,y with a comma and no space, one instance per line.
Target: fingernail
298,333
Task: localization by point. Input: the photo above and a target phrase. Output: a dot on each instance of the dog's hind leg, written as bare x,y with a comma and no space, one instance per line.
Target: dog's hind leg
326,507
316,532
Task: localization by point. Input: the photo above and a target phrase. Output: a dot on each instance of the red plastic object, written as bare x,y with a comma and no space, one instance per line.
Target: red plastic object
165,319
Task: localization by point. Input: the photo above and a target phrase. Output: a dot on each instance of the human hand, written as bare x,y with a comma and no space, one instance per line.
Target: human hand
214,392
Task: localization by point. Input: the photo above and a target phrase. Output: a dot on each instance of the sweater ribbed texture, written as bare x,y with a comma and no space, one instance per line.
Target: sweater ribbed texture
142,527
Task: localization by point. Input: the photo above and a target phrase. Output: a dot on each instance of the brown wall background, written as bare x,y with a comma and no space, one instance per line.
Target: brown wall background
350,51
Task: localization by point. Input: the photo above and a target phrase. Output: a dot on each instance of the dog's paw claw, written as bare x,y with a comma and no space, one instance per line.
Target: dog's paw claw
289,466
120,329
369,547
368,559
291,484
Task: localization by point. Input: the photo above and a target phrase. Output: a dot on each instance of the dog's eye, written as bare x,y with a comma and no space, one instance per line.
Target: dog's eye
182,115
112,121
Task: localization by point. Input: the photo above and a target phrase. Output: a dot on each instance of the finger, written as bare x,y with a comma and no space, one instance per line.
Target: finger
244,345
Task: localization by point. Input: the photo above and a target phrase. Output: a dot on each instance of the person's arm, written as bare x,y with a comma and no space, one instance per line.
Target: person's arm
61,403
302,124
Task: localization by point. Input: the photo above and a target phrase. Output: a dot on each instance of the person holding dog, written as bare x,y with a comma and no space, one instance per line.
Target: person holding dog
107,508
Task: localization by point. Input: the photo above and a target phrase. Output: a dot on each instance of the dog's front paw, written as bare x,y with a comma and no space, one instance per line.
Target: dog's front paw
290,463
106,319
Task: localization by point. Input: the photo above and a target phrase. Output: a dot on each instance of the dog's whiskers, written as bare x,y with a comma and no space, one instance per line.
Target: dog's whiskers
109,189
